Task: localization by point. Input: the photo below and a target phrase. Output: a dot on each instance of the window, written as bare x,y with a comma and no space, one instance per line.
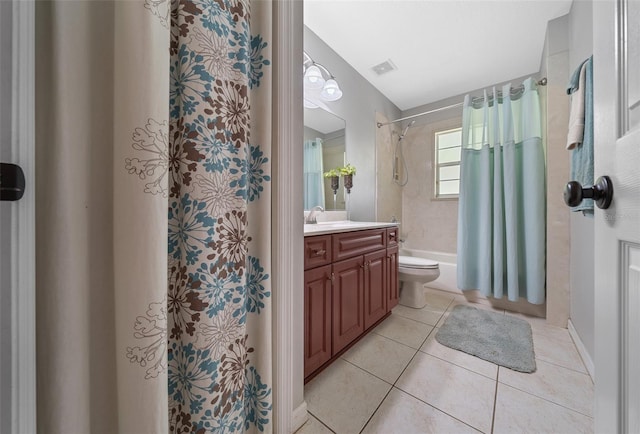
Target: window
448,146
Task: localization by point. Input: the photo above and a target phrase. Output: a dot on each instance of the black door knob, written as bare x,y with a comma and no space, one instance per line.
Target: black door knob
11,182
601,193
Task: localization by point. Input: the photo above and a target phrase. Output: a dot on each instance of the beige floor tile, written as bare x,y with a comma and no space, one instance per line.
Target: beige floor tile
380,356
425,315
540,326
553,344
401,413
463,394
438,299
344,396
533,320
313,426
520,412
562,386
475,364
404,330
557,350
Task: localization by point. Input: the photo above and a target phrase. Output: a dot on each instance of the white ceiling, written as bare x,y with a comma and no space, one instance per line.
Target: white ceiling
441,48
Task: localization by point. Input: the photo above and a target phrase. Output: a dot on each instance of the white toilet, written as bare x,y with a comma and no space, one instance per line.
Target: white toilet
414,273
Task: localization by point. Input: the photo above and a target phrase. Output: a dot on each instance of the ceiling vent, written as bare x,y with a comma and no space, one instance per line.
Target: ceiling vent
384,67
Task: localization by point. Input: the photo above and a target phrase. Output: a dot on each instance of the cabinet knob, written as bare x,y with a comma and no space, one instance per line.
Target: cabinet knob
319,252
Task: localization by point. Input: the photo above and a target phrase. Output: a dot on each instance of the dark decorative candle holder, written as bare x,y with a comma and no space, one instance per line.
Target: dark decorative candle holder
335,183
348,183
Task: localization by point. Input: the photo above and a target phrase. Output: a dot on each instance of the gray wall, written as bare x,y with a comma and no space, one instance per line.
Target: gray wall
358,107
582,249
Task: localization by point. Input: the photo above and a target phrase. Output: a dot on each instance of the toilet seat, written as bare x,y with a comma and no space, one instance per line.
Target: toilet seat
415,262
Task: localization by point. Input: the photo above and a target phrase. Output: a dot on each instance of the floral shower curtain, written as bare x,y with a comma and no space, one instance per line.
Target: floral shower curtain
219,354
153,221
101,217
501,211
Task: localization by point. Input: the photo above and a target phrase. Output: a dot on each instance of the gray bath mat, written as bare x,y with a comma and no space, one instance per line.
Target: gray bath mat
500,339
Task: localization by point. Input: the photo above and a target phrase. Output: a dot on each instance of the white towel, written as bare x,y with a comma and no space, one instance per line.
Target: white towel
576,117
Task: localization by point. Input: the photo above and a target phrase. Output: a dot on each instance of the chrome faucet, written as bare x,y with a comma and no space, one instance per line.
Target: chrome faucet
311,218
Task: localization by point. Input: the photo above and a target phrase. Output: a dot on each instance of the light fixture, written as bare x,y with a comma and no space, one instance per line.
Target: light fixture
319,84
331,91
313,78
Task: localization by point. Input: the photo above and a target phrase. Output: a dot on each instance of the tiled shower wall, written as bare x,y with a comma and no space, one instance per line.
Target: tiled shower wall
388,193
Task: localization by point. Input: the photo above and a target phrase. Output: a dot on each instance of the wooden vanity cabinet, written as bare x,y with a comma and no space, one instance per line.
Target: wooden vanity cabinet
350,285
393,282
317,318
348,301
375,283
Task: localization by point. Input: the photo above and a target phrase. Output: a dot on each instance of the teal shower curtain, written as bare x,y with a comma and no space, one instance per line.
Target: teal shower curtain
501,213
313,182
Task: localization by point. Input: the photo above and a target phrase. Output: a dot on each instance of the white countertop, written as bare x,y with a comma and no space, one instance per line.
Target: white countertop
342,226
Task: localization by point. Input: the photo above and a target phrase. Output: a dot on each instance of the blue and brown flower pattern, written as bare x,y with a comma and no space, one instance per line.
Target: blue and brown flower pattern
215,174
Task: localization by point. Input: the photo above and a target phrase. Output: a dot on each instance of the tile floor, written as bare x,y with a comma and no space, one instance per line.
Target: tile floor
399,379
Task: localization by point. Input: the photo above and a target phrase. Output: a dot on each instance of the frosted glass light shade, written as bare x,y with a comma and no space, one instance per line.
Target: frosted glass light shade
331,91
313,78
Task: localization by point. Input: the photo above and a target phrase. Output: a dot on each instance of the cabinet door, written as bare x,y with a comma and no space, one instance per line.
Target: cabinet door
375,287
317,318
393,283
348,303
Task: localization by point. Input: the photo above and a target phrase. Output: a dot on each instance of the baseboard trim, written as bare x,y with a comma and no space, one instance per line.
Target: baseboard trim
300,416
582,350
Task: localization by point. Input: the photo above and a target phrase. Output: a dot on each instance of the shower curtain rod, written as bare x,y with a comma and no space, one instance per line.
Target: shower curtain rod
541,82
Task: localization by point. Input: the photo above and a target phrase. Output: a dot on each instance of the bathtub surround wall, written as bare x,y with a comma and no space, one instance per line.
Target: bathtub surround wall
428,223
388,193
555,66
357,107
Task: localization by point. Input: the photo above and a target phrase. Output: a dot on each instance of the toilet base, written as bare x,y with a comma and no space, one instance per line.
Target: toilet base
412,295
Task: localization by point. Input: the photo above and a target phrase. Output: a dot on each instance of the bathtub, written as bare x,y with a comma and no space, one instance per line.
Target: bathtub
448,277
447,281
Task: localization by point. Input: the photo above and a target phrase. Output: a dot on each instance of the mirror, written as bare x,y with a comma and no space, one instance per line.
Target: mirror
324,149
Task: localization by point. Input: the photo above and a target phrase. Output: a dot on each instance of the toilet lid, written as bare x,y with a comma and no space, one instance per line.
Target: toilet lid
414,262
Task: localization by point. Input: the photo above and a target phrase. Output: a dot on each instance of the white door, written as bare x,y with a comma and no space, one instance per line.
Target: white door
617,229
17,224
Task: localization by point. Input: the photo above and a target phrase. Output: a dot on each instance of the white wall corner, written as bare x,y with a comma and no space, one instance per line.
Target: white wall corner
582,350
287,230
